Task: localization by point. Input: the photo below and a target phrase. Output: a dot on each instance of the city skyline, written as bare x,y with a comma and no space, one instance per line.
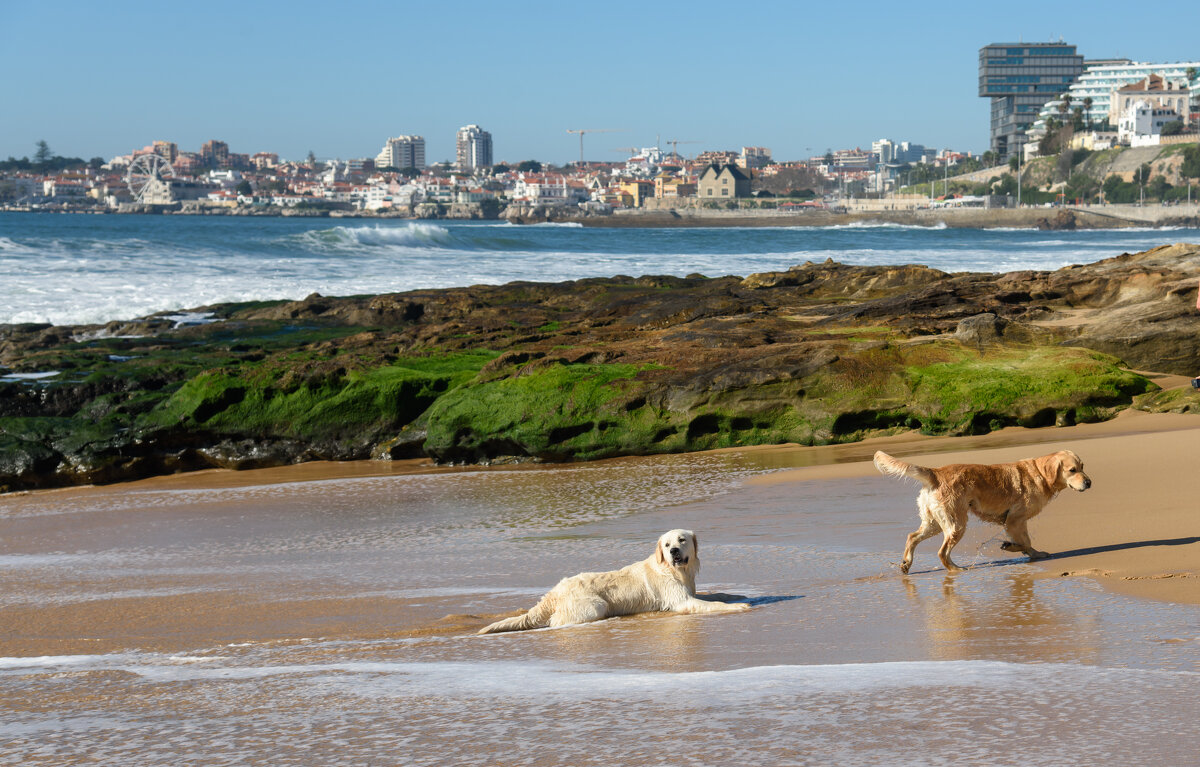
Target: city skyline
300,77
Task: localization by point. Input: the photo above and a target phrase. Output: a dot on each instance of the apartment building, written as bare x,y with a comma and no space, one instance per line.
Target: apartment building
473,147
1155,91
402,152
754,157
1093,91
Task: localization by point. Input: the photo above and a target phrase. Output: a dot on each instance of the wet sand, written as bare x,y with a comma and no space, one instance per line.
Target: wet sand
325,614
1137,531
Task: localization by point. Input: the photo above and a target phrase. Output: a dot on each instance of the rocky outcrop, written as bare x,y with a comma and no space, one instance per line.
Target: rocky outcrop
597,367
1063,220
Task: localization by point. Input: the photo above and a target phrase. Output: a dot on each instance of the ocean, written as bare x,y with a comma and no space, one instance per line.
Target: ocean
234,619
78,269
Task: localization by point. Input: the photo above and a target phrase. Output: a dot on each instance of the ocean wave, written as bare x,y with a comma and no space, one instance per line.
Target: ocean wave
344,238
877,225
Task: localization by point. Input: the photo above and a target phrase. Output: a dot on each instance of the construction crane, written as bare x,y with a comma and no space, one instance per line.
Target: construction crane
582,131
675,145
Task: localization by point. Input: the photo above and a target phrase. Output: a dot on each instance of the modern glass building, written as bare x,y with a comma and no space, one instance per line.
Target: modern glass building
1020,78
1099,81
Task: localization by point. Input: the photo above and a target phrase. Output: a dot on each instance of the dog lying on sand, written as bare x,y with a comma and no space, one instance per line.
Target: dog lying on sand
1008,494
663,582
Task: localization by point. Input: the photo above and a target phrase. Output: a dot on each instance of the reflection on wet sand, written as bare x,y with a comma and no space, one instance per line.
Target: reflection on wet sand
1007,616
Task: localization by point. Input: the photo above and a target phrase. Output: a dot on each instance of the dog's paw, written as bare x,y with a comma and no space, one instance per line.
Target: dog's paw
1010,546
1035,554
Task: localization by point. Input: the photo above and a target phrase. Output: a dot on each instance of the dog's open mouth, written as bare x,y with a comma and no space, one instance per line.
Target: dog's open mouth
678,559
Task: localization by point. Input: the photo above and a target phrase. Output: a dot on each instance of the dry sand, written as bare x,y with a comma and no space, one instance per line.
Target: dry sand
1137,531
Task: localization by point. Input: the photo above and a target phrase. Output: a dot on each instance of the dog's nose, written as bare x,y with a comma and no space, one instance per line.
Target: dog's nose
1087,483
674,549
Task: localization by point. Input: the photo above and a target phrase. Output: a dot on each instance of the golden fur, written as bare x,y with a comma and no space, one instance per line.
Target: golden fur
664,581
1008,494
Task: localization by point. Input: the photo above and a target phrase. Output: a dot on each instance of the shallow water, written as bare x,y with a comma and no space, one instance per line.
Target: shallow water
331,622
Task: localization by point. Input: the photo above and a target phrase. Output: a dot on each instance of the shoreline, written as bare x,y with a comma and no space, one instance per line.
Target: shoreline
1083,217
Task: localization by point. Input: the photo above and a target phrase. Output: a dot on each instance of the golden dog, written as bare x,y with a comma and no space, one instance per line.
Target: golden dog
664,581
1008,494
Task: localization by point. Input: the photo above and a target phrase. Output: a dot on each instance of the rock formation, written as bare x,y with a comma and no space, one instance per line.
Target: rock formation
597,367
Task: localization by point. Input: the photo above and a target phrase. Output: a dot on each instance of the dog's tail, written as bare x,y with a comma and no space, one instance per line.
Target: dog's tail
896,468
538,617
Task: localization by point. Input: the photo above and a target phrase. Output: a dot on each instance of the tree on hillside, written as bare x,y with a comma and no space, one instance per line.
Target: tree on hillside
1077,118
1087,110
1006,185
244,188
1159,186
1191,162
43,154
530,166
1173,128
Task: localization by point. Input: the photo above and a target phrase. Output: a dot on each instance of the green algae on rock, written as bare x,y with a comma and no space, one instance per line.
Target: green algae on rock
594,368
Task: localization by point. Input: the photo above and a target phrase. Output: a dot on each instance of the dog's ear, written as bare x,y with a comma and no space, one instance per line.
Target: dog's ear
695,544
1050,467
659,556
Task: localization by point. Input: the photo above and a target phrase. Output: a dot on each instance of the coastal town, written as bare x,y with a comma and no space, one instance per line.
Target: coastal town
1065,130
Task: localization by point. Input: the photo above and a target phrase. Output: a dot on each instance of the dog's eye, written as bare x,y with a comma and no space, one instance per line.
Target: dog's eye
1072,471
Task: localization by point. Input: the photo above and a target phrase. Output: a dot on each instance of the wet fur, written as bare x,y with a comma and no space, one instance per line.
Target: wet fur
1008,494
652,585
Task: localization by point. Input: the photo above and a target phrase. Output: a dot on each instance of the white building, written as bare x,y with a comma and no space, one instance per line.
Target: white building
754,157
1142,124
402,152
1098,83
474,147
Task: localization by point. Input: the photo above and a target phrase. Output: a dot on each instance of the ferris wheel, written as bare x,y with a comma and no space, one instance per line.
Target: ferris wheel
144,169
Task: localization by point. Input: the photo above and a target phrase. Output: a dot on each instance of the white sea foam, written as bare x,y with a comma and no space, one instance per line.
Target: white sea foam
29,376
94,271
542,679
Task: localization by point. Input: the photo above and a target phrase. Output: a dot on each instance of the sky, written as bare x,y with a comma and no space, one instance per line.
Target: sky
100,79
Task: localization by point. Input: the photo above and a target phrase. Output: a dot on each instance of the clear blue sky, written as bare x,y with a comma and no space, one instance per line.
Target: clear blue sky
103,78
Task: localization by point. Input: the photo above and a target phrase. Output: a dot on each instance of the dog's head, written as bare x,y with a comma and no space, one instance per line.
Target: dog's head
678,548
1065,469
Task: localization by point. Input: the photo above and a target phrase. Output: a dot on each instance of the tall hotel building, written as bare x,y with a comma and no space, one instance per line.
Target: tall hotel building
402,152
474,146
1019,78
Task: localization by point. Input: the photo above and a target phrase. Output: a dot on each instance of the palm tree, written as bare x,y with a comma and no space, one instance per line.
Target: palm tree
1087,111
1064,106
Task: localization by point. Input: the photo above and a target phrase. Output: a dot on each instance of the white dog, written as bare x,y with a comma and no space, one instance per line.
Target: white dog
665,581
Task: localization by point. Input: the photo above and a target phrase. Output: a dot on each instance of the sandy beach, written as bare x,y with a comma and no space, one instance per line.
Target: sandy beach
325,613
1137,531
